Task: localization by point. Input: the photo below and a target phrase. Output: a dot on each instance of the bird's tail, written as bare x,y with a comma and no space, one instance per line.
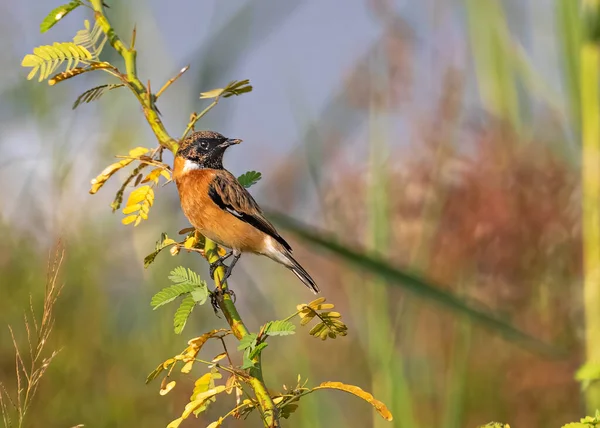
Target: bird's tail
299,271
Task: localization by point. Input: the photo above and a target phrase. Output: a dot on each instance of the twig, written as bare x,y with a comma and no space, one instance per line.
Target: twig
171,81
198,117
129,56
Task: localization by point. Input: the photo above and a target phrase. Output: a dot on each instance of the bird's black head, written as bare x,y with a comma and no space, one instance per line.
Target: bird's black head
205,149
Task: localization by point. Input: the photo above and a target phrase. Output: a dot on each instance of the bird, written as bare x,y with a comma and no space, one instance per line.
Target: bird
222,210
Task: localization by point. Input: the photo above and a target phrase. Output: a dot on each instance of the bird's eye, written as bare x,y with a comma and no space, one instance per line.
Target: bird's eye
204,145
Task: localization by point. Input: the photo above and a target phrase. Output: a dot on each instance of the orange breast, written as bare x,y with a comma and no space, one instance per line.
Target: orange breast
209,219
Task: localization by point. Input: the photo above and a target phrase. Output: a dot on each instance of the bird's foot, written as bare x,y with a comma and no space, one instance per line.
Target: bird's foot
215,265
217,296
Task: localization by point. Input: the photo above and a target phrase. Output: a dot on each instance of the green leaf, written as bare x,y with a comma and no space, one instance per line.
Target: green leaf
200,294
180,275
161,244
420,286
233,88
279,328
182,313
95,93
57,14
247,362
249,178
248,341
46,59
257,350
93,39
168,294
587,373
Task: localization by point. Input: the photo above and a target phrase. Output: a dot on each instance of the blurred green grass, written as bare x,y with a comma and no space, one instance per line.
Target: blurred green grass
488,207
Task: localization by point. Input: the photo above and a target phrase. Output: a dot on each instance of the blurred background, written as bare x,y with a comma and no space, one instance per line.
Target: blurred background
443,135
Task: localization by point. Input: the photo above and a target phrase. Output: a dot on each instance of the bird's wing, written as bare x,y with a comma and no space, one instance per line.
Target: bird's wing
231,196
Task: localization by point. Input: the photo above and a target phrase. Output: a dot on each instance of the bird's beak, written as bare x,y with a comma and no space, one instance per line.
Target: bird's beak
229,142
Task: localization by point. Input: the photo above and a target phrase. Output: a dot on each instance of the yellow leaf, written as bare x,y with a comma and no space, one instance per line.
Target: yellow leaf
305,320
129,219
219,357
325,306
138,195
200,400
175,423
152,176
166,174
378,405
277,400
111,169
168,363
138,151
96,186
164,390
138,221
99,181
131,209
215,424
212,94
231,382
187,367
201,340
190,242
316,302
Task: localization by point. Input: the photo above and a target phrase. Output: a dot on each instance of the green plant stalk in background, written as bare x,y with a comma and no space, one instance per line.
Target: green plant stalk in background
268,410
590,131
389,380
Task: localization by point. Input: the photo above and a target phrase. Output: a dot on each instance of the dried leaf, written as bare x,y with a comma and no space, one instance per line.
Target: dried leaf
215,424
164,390
219,357
378,405
201,340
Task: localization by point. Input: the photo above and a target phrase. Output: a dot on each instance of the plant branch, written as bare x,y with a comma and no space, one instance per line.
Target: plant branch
129,56
239,329
145,97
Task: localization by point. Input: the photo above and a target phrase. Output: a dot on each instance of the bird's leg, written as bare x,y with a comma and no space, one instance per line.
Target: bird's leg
236,257
214,265
217,295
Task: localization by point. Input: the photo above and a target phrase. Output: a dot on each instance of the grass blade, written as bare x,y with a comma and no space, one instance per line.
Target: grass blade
416,285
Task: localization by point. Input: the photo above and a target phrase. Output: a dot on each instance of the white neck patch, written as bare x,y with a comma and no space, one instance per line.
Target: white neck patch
190,166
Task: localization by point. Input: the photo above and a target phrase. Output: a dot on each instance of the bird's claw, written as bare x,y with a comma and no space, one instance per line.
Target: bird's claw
215,265
217,295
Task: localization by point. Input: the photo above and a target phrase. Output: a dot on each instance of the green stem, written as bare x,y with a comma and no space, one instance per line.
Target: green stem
239,329
198,117
590,126
129,56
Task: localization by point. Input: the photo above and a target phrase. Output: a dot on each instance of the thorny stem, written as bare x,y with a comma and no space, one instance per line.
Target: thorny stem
129,56
255,380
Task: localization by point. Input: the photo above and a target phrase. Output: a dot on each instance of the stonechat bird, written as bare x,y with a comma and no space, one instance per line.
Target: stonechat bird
221,209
